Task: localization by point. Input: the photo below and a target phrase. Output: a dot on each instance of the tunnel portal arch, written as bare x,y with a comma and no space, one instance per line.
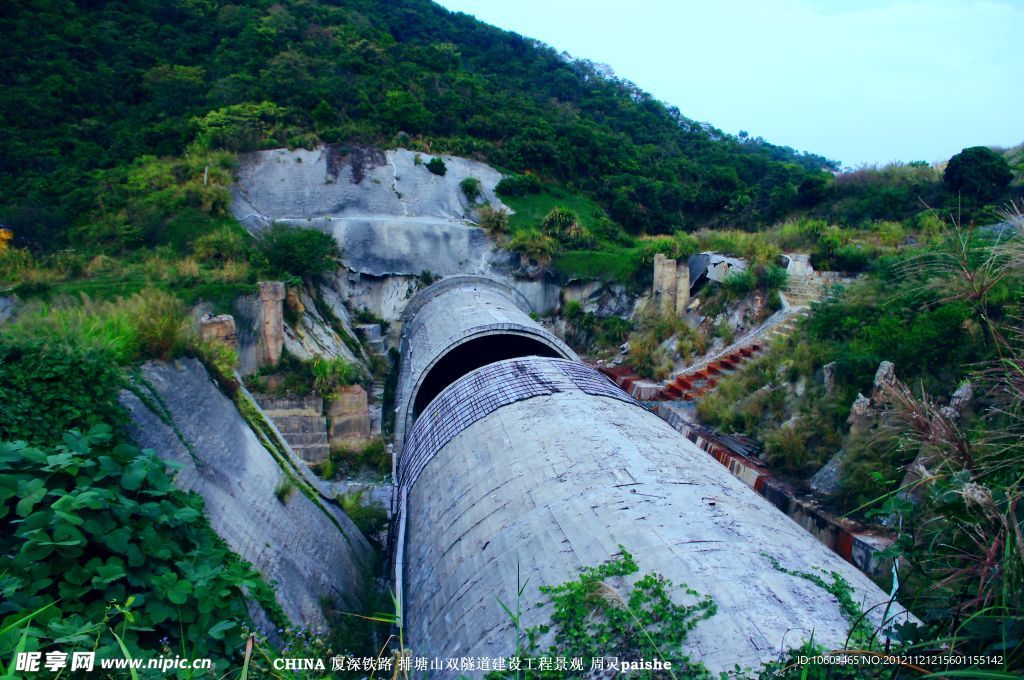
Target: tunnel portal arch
456,326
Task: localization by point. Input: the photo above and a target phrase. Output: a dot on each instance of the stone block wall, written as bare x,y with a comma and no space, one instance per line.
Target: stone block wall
348,418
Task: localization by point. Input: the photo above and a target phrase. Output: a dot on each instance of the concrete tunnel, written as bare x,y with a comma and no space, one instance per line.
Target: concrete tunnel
518,461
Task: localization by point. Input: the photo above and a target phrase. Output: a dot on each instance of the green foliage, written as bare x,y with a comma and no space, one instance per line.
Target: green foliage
220,245
436,166
602,614
534,245
100,530
373,457
297,251
370,517
591,332
565,226
518,185
284,490
493,220
241,127
470,188
979,173
331,373
47,389
150,324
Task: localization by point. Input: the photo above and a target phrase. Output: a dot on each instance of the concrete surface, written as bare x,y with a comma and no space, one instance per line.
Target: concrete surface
293,543
450,313
554,479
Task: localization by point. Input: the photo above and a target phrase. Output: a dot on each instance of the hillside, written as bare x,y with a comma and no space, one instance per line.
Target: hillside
90,87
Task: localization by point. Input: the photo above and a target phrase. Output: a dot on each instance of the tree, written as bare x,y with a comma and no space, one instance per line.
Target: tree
299,252
979,173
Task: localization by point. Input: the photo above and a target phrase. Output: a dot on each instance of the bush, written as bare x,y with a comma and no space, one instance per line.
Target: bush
494,221
534,245
297,251
471,188
436,166
738,284
518,185
331,373
221,245
101,530
979,172
240,127
565,225
47,388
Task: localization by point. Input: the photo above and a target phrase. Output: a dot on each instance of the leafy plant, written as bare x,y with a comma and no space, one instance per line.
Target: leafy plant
330,373
89,523
470,188
601,614
297,251
436,166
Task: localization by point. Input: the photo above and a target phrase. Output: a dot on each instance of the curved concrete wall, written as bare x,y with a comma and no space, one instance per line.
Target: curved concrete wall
454,312
541,467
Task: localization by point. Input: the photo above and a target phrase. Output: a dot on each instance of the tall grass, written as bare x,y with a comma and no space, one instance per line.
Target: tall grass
151,324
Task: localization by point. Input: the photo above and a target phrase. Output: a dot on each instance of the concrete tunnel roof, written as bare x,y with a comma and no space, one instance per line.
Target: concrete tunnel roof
535,467
452,313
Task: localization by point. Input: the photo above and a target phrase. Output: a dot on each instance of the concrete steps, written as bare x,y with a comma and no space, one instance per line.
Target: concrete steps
301,422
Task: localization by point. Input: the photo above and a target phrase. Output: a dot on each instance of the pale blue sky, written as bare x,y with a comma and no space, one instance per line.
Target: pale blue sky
860,81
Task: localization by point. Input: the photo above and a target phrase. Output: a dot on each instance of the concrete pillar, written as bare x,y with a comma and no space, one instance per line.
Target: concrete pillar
272,294
348,417
664,287
682,287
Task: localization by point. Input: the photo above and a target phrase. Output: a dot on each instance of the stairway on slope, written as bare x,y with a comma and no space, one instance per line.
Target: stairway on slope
302,423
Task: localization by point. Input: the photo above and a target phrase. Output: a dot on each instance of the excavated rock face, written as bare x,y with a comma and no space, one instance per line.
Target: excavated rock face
390,215
315,554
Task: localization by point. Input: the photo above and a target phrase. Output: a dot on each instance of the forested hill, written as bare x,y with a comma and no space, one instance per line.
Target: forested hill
91,85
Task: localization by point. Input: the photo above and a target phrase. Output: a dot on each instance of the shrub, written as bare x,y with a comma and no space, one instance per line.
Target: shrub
220,245
46,389
297,251
121,549
534,245
518,185
493,220
368,516
331,373
436,166
240,127
979,172
471,188
739,284
565,225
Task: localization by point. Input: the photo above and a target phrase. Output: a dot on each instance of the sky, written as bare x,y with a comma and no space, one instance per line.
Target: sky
858,81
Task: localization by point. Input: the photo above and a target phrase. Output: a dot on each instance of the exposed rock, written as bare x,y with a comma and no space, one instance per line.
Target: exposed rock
860,416
219,328
272,294
885,375
961,398
314,337
389,214
314,553
827,480
8,304
828,377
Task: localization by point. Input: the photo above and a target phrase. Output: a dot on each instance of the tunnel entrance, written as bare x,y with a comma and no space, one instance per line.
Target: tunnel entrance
470,356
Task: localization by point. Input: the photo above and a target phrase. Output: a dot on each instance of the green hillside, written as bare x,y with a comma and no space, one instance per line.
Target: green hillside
89,87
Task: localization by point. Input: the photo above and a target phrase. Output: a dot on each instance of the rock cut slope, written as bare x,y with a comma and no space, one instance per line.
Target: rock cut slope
389,213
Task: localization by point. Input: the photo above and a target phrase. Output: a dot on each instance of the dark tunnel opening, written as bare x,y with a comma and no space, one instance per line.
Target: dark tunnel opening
472,355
